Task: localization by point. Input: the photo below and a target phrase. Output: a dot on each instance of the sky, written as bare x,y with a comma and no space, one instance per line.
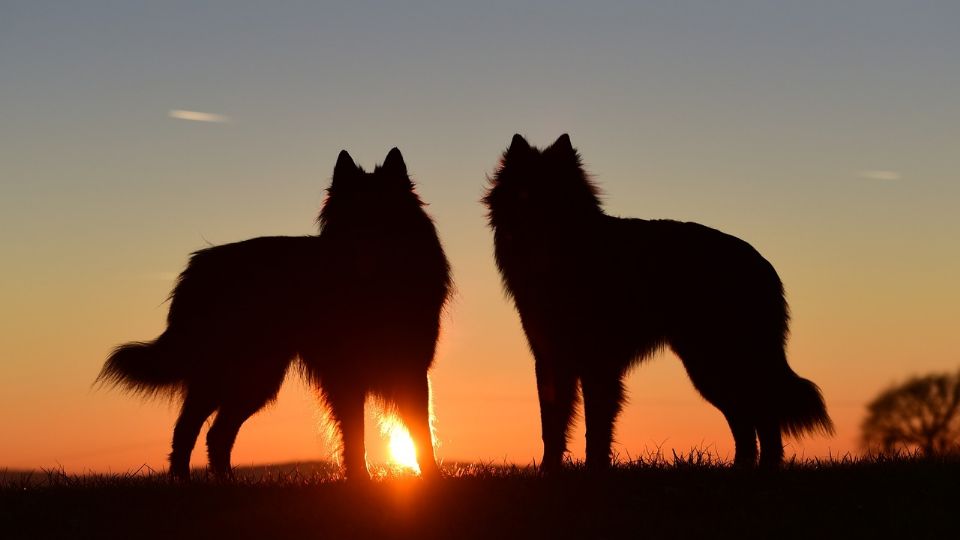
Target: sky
824,133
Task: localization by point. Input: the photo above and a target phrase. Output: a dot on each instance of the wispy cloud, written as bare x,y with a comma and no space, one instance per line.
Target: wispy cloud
197,116
887,176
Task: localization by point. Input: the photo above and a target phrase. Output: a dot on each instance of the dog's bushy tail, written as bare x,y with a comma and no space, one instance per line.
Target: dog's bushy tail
802,409
146,368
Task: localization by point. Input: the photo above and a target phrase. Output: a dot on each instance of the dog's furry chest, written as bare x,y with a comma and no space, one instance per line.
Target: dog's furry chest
551,276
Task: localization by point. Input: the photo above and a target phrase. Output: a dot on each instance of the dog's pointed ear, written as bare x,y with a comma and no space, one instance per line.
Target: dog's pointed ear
563,145
345,167
518,146
394,164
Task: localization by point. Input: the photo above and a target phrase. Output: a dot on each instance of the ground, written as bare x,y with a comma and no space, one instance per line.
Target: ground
689,498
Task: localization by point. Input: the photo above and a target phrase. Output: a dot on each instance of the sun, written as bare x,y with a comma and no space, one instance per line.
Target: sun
402,453
401,450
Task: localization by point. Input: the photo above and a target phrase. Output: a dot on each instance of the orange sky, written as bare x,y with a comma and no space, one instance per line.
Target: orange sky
483,382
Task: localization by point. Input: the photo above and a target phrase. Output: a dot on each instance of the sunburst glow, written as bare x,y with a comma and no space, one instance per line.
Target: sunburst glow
402,453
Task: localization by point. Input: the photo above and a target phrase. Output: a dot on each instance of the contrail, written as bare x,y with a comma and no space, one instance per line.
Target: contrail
197,116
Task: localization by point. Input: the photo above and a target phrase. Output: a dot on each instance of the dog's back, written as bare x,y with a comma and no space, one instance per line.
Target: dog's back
262,285
692,278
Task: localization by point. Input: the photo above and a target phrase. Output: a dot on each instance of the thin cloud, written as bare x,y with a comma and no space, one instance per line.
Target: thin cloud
887,176
197,116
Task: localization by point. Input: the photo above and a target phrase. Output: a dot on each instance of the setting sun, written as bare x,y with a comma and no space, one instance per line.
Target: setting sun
402,453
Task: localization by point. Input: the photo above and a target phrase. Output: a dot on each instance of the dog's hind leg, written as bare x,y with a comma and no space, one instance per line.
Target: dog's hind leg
744,439
771,443
197,406
727,389
249,390
223,433
602,401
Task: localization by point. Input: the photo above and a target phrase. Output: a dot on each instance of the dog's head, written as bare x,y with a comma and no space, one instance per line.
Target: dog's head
369,196
540,186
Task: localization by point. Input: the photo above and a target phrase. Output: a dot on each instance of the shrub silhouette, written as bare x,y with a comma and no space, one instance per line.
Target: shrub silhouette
597,294
359,305
922,413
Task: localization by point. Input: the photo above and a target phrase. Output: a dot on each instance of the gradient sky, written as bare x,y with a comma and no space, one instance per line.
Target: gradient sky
825,133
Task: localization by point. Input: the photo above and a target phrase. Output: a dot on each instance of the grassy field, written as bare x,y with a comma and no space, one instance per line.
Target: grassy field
690,497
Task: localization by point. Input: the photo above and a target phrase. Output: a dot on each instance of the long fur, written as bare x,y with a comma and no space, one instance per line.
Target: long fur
142,367
359,305
597,293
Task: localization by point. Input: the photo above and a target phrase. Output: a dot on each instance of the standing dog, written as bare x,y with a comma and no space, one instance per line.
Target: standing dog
597,294
359,304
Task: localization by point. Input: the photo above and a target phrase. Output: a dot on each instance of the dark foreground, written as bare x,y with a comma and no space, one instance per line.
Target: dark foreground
890,498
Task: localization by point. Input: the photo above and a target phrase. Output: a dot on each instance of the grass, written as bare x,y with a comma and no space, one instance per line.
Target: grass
690,496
